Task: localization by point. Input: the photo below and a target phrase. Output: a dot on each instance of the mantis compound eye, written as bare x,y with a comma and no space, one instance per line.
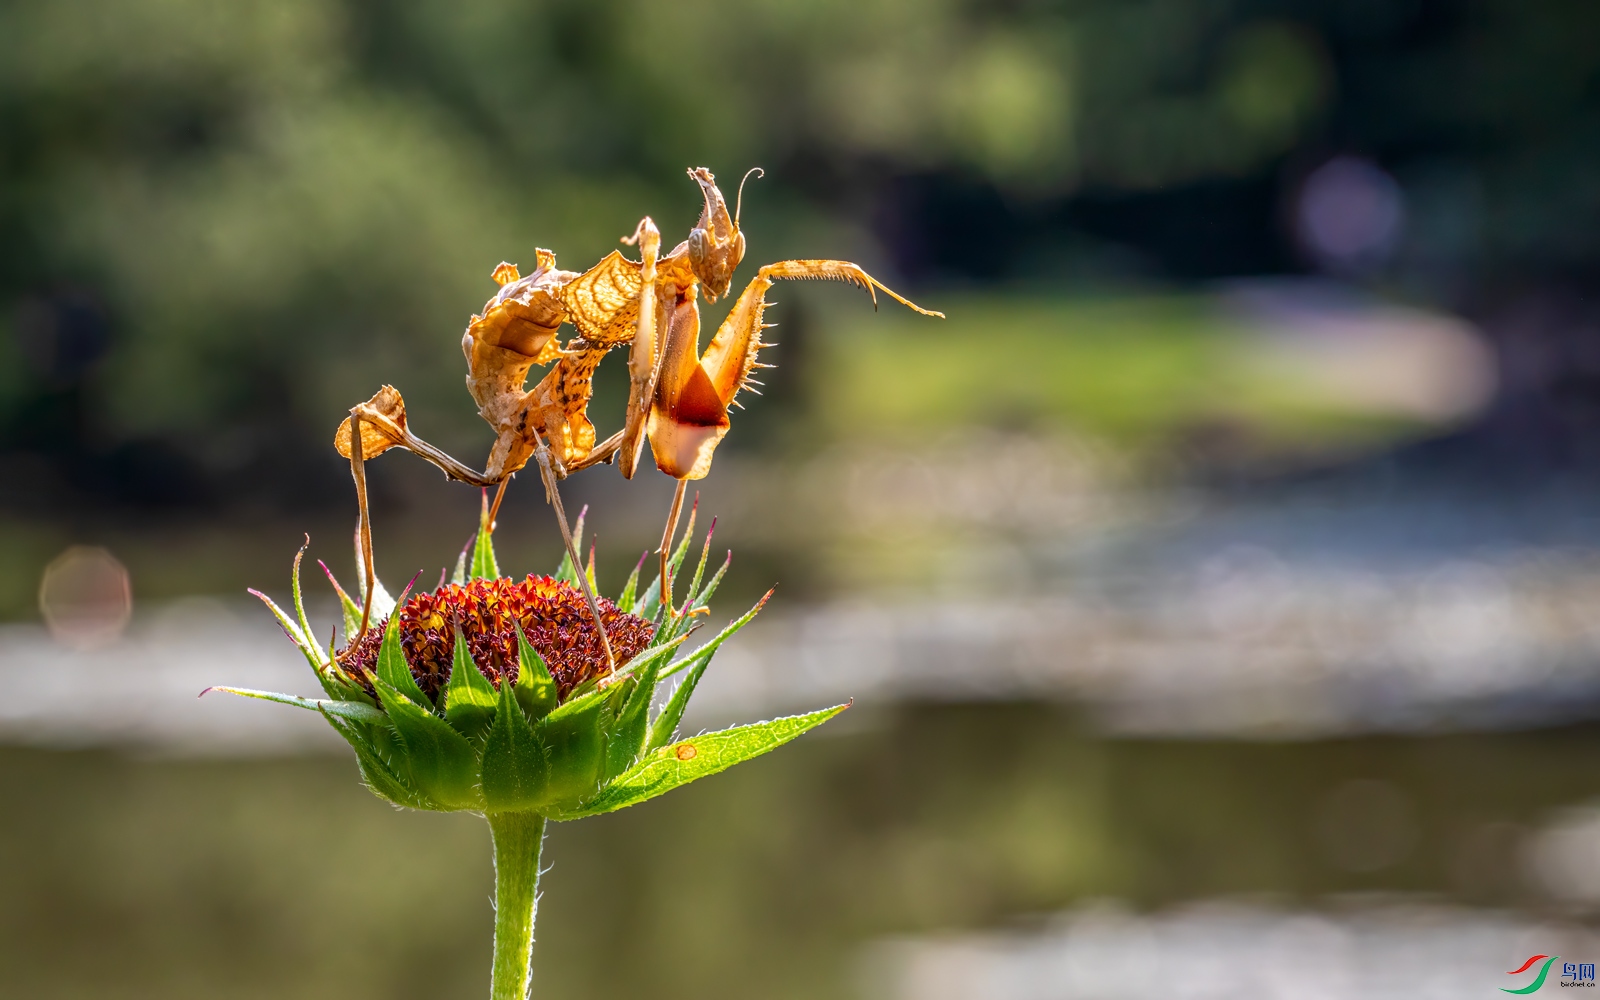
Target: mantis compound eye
714,261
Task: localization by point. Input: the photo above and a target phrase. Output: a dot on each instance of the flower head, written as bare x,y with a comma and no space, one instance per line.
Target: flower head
494,695
551,614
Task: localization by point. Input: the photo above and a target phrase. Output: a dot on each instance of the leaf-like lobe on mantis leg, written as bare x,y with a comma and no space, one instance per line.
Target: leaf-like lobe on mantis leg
523,316
376,437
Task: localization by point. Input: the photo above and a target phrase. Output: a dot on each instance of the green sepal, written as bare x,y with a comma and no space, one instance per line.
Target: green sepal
293,631
688,760
469,698
353,711
535,688
574,738
516,771
300,604
381,779
459,577
666,724
694,598
703,598
626,670
649,606
438,760
627,739
334,683
566,572
691,594
631,588
347,605
484,564
392,667
334,680
705,651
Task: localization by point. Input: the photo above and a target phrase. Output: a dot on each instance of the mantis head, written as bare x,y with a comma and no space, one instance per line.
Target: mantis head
716,246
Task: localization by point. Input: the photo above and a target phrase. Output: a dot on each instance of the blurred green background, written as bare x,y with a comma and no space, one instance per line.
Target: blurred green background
219,227
1257,252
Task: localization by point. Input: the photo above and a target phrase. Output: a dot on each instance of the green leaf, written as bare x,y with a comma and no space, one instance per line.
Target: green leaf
574,737
566,571
630,589
688,760
516,771
392,667
381,779
535,688
469,697
438,760
354,711
484,565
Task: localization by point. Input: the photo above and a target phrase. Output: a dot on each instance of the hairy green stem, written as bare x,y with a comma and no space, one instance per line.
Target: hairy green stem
517,838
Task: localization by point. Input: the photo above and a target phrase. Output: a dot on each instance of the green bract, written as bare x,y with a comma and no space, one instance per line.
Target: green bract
515,746
449,707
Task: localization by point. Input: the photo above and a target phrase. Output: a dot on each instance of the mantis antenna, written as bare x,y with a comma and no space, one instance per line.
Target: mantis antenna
738,204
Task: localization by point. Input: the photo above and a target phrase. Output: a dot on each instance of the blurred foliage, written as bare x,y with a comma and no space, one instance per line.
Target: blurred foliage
165,878
220,225
1134,371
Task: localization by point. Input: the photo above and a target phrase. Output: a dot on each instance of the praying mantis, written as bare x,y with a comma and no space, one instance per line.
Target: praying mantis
678,398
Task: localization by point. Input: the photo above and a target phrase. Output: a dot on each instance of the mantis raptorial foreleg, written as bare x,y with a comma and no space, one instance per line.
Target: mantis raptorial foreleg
689,415
732,354
644,358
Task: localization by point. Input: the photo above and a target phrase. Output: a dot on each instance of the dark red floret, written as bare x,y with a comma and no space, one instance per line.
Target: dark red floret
553,615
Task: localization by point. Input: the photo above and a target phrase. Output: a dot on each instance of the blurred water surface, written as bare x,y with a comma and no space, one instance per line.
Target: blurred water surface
865,852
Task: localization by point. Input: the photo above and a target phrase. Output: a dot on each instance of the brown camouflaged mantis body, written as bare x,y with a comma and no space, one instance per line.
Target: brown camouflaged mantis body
678,399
